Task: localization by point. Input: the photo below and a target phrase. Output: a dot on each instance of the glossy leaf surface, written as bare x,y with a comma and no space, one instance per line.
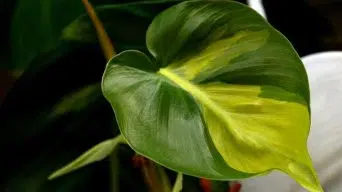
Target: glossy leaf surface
225,96
190,149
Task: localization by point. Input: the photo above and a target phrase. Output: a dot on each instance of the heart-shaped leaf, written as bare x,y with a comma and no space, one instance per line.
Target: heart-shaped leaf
225,97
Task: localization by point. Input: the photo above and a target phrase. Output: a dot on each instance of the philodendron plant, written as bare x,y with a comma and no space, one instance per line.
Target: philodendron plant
222,95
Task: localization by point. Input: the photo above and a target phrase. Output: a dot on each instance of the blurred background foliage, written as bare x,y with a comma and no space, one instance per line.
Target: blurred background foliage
49,115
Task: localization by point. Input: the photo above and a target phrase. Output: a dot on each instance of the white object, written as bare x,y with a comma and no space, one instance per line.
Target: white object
257,6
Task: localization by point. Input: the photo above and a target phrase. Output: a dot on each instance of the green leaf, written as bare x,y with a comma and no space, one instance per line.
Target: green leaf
152,110
7,9
49,149
76,101
225,96
137,17
96,153
43,140
38,27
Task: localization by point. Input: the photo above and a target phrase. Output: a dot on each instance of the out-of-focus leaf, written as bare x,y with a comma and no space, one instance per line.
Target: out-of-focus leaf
76,101
31,160
35,96
36,27
6,80
6,12
40,26
96,153
37,140
126,24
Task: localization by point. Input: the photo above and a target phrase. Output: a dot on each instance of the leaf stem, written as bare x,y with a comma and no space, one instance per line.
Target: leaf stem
164,179
177,187
150,172
114,165
104,40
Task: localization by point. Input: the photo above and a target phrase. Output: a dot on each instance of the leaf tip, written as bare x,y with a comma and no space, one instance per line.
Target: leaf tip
60,172
306,176
54,175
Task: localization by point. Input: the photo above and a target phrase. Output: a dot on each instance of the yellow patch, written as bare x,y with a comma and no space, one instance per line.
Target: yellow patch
254,134
225,50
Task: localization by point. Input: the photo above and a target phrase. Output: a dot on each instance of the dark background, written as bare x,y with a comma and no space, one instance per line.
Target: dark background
311,26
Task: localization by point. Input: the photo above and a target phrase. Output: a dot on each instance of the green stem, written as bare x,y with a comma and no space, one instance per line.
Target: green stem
114,165
109,52
120,138
164,180
105,42
177,187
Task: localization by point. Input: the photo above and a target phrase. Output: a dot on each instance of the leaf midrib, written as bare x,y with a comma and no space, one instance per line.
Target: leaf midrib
199,95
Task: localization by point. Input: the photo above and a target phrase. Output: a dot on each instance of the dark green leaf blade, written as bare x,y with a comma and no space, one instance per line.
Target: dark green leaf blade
50,117
38,26
62,140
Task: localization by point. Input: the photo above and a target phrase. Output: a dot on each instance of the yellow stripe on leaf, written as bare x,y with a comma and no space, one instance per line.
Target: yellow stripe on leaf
254,134
204,63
